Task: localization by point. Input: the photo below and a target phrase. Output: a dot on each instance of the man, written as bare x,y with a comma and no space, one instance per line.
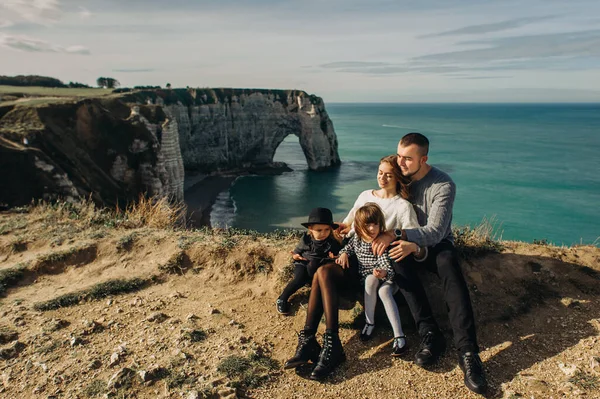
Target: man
432,194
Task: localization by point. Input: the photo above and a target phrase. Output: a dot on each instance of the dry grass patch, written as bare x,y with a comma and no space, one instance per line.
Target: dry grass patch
472,242
11,277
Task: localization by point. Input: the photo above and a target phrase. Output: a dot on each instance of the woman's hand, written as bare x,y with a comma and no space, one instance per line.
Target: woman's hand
380,274
297,256
380,244
402,249
343,228
343,261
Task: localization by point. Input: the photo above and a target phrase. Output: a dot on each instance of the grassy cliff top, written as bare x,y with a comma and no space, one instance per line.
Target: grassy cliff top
18,95
128,304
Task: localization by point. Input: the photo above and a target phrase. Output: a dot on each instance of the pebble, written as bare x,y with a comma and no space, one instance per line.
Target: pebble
157,317
114,359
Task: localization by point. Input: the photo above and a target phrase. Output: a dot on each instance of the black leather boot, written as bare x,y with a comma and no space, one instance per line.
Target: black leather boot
330,357
308,349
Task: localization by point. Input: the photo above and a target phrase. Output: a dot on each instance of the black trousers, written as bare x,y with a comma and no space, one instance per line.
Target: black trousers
301,278
442,260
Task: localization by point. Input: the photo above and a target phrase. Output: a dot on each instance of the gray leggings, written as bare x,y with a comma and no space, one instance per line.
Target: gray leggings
386,291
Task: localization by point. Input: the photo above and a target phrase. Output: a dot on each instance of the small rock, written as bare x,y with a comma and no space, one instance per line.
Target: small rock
7,335
91,327
55,325
227,393
43,366
216,382
94,364
177,295
214,311
568,369
595,363
12,350
19,321
191,317
193,395
122,349
157,317
143,375
114,359
243,340
232,322
120,378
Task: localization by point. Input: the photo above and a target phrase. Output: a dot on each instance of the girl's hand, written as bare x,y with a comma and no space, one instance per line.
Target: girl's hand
380,274
402,250
331,255
297,256
342,260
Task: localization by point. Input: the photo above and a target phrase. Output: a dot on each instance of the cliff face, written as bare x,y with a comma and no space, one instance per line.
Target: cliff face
139,142
245,130
90,148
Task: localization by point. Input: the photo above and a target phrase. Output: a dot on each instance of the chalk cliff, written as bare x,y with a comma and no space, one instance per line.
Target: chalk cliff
113,149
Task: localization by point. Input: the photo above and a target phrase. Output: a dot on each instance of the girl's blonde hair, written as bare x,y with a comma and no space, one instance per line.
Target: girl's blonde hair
366,214
401,181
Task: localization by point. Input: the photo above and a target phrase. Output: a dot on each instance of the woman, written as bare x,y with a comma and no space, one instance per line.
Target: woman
332,278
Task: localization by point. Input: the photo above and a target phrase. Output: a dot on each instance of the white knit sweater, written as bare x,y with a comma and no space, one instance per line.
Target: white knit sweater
398,212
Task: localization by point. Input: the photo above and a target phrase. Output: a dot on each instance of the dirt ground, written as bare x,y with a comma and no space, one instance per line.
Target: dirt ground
203,323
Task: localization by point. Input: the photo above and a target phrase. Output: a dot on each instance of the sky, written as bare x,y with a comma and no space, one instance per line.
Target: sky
341,50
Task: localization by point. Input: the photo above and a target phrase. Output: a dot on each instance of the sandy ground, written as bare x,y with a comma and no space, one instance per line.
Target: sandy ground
537,309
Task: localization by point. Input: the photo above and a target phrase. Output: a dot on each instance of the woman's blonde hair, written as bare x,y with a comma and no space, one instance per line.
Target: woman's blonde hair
366,214
401,181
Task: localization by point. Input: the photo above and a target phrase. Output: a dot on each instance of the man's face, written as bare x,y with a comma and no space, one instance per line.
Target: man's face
410,159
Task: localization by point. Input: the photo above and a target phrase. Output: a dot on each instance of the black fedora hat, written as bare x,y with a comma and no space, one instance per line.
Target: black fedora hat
320,216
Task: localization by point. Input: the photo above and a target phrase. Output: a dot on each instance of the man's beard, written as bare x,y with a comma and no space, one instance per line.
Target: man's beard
410,175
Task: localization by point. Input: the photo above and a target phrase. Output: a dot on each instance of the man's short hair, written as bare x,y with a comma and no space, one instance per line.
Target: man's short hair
416,138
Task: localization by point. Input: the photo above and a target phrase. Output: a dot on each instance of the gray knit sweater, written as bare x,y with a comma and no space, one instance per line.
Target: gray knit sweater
433,199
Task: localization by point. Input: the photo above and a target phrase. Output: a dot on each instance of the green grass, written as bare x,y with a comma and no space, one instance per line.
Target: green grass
585,381
95,389
54,91
10,277
248,372
98,291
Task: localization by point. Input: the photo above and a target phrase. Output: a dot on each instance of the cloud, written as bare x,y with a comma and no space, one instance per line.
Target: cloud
5,23
84,13
489,28
352,64
134,70
22,43
44,12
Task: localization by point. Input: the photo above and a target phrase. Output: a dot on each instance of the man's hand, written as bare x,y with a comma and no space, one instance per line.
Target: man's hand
343,228
380,274
297,256
402,249
380,244
343,261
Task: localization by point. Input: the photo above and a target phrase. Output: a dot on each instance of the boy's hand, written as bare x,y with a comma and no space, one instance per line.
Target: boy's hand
380,274
297,256
342,260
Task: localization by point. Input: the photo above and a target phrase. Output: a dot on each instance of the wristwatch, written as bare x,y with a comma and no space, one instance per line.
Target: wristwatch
398,233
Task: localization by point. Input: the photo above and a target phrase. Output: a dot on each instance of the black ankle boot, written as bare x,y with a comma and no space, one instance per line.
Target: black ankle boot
308,349
330,357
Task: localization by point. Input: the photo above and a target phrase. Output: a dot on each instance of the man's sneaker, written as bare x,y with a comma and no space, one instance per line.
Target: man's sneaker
367,332
283,307
431,348
399,346
471,365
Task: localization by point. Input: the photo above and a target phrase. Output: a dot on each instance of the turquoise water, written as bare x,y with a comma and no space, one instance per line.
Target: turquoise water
534,168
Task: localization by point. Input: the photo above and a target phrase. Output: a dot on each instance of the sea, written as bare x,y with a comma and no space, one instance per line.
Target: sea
530,171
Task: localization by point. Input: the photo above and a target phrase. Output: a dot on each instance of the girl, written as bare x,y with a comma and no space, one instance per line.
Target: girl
376,271
316,247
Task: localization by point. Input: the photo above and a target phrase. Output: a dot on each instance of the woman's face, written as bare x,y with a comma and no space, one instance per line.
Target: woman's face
385,176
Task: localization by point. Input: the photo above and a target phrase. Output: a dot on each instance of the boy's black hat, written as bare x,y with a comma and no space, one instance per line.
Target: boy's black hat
320,216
